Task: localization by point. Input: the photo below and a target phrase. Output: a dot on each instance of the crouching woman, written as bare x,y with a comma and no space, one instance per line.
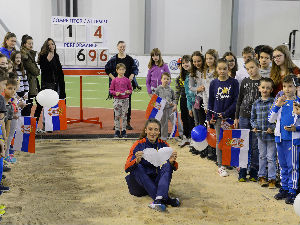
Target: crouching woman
145,178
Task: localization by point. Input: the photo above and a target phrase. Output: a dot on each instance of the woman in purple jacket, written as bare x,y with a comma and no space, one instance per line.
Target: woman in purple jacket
156,68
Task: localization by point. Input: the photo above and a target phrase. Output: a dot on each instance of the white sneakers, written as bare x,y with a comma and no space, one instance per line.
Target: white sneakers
222,172
185,141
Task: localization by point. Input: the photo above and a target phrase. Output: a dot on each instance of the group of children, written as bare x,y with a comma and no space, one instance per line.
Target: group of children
14,88
261,96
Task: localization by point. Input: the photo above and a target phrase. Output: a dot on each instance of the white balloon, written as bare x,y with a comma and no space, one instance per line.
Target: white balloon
297,205
199,145
47,98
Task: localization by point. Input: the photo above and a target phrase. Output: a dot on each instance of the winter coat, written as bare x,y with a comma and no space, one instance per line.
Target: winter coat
30,65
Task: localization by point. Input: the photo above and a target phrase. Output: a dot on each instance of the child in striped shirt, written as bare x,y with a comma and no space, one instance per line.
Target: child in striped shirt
23,89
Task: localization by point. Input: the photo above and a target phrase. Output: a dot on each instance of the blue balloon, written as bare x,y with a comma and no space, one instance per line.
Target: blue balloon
199,133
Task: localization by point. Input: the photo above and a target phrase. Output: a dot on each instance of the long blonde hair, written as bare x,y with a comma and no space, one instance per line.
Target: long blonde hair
155,51
213,53
288,64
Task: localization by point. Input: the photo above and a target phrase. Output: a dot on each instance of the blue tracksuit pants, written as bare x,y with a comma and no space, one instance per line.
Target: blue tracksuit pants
289,165
154,184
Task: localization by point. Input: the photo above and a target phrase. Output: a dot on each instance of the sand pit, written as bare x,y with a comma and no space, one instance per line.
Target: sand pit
82,182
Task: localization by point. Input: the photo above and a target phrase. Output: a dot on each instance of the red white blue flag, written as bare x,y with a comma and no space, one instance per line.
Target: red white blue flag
235,147
176,125
155,107
24,139
56,117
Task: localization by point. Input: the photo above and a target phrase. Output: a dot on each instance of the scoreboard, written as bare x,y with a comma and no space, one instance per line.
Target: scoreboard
81,43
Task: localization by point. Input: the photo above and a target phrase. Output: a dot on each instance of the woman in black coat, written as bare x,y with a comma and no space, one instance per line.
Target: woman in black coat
52,76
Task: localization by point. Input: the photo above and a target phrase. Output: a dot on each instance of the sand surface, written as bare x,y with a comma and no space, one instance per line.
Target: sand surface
82,182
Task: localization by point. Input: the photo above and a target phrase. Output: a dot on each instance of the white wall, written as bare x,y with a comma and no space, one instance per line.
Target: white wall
126,21
32,17
181,27
267,22
177,27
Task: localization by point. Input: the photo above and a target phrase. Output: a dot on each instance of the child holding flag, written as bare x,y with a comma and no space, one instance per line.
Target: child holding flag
223,94
247,96
166,92
120,88
287,139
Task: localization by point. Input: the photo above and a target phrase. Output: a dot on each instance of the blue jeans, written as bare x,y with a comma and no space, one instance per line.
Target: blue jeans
244,123
267,157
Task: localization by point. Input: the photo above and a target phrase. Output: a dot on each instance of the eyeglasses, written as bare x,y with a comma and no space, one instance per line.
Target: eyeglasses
277,56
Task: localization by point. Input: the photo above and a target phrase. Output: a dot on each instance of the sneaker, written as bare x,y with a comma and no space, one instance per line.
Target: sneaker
3,177
179,139
272,184
10,159
123,134
242,179
117,134
222,172
174,202
4,189
39,131
2,212
204,153
128,127
157,205
282,194
253,179
6,169
185,141
2,207
194,151
263,182
290,198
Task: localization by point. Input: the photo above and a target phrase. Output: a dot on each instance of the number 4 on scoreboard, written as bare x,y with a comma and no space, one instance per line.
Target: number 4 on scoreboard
97,33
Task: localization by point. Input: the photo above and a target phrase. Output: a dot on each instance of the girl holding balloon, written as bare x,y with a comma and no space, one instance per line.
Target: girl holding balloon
223,95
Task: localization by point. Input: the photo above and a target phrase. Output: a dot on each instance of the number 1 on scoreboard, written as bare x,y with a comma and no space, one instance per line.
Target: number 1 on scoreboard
97,33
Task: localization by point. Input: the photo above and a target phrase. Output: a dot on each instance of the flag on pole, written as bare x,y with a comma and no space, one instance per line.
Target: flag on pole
24,139
235,147
176,125
155,107
56,116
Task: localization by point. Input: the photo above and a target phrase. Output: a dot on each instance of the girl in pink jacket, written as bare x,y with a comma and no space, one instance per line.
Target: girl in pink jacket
156,68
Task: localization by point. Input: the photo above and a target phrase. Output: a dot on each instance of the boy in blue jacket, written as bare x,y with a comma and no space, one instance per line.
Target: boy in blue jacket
287,138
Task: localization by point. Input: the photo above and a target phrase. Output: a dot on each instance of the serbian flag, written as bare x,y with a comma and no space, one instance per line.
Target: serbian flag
24,139
176,125
235,147
155,107
56,116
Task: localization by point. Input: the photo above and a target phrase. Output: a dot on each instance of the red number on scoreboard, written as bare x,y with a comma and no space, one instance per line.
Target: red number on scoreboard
103,56
93,55
98,32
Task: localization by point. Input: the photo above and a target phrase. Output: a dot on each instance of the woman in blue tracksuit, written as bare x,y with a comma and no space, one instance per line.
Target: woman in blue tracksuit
287,138
145,178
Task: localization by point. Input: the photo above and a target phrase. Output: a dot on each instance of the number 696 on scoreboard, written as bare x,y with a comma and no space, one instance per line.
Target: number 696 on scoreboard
91,57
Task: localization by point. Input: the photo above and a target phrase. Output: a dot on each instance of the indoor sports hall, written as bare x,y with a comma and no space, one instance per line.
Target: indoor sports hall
150,112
